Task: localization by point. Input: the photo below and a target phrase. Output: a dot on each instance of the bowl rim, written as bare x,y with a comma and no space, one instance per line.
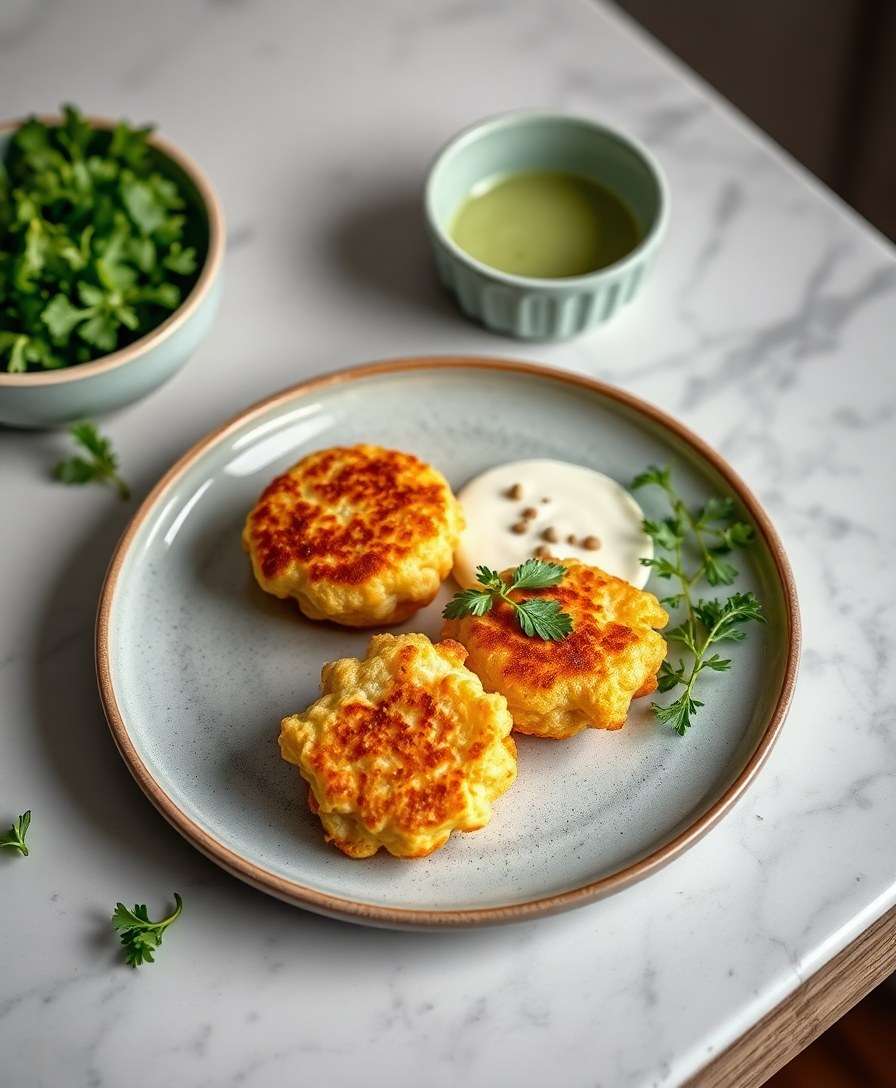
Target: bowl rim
558,284
198,292
356,910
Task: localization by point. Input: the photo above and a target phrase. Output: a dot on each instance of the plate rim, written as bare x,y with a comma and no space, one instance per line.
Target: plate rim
375,914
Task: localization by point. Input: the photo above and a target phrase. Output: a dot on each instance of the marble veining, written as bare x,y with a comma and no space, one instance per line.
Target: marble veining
766,326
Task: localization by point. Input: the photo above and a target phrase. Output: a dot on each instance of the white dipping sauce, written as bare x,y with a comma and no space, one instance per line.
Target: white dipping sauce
581,502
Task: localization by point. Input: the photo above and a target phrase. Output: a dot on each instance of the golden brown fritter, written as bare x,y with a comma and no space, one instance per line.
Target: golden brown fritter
359,535
556,689
401,748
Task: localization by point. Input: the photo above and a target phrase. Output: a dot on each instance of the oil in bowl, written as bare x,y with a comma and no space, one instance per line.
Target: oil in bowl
545,224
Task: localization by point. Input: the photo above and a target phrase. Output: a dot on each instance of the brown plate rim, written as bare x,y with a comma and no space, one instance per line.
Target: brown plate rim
374,914
200,289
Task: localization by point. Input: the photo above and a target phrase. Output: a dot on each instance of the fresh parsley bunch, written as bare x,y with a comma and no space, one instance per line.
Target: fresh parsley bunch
538,617
697,545
95,243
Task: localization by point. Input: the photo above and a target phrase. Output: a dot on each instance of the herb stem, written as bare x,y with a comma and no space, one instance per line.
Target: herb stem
682,511
699,654
704,622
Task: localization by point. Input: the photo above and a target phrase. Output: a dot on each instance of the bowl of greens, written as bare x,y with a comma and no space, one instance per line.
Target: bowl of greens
111,242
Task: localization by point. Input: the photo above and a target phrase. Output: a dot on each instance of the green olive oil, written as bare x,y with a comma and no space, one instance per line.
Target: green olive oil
545,224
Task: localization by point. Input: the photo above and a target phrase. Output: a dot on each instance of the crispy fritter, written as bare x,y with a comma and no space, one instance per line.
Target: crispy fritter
359,535
401,748
556,689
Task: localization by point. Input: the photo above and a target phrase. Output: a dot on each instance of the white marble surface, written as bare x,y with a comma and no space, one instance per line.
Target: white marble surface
767,326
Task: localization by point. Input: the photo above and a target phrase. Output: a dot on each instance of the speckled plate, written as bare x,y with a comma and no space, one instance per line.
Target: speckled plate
197,666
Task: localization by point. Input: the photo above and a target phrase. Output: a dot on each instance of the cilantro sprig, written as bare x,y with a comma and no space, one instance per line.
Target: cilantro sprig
14,838
694,546
96,246
140,936
100,465
538,617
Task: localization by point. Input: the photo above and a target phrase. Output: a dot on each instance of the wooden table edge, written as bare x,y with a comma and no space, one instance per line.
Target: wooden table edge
803,1015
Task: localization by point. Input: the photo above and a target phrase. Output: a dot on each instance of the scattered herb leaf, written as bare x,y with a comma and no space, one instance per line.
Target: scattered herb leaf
538,617
15,837
100,465
140,936
705,537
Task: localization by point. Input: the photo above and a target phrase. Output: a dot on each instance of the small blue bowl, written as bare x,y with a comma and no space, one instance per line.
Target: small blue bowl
523,306
54,397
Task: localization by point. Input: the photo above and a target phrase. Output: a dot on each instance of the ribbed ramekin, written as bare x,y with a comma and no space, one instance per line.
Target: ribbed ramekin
523,306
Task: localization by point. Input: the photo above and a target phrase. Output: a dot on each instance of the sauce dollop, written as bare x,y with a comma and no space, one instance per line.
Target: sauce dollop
550,509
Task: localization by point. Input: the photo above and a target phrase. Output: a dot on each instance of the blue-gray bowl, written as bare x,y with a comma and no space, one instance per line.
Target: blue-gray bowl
523,306
54,397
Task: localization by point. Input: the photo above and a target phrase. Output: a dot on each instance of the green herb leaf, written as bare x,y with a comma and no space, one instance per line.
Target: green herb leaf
140,936
469,602
738,535
87,435
723,619
129,145
544,619
678,715
15,346
489,578
76,471
165,294
101,331
537,574
14,839
181,259
715,509
653,474
672,602
670,676
718,571
662,567
100,467
665,534
60,317
74,133
143,206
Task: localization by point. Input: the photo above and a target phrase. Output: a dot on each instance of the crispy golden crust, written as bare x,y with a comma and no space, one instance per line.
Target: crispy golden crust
401,748
359,535
556,689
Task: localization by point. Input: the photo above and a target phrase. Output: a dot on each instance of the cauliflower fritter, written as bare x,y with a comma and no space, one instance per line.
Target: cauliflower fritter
401,748
556,689
359,535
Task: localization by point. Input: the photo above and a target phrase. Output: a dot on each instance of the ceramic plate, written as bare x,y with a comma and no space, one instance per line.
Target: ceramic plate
197,666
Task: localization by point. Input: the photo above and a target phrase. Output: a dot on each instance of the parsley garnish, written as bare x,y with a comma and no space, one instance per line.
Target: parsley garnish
708,536
140,936
100,466
15,837
93,243
538,617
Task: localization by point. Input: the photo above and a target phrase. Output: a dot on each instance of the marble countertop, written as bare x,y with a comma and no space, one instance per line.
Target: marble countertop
767,327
